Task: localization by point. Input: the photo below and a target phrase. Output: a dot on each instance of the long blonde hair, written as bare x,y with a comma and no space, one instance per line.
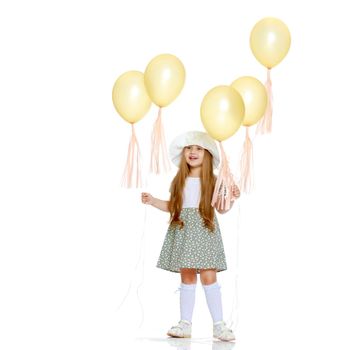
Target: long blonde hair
207,179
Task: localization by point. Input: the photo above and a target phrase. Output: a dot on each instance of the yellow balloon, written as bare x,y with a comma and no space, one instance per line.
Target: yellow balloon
164,79
130,96
222,112
270,41
254,95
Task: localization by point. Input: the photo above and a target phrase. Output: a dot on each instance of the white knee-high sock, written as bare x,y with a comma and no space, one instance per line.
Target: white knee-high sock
213,296
187,298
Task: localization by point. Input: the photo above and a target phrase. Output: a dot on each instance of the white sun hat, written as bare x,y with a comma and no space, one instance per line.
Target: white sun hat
189,138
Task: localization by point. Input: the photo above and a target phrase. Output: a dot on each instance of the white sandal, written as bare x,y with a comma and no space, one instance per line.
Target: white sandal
181,330
222,332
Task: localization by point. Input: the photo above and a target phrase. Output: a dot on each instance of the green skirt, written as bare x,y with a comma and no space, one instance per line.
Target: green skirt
193,246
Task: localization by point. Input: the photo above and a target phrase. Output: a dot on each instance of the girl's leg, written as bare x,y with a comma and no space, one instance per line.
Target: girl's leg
212,293
187,293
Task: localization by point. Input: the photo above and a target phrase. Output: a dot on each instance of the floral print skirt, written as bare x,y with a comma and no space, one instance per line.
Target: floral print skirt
193,246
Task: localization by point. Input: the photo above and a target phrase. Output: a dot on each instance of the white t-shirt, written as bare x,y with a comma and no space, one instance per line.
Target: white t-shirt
192,192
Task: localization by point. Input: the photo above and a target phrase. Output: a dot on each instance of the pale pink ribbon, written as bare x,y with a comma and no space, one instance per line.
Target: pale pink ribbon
158,146
265,124
223,191
246,179
127,180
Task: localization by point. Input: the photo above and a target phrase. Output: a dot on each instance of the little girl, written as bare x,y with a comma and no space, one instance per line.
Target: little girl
193,242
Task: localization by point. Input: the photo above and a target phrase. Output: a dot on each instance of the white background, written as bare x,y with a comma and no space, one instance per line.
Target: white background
70,236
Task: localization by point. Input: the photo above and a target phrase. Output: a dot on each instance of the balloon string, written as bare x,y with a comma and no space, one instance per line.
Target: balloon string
143,260
142,275
224,184
127,180
141,254
234,310
246,177
134,272
159,144
265,123
224,196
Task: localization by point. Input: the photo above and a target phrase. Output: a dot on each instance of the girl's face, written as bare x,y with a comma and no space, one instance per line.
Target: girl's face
194,155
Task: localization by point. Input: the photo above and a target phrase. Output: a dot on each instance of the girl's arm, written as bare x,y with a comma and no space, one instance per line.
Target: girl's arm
147,198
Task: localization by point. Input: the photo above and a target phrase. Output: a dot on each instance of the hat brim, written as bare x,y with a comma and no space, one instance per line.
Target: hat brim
199,138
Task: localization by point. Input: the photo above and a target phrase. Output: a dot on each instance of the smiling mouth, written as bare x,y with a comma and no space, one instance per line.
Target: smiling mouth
193,158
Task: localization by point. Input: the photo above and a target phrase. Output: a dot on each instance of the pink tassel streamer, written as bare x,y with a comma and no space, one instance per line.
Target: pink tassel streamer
223,195
246,179
265,124
127,180
159,146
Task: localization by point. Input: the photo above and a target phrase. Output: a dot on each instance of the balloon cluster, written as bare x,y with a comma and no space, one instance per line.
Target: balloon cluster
133,94
224,109
245,102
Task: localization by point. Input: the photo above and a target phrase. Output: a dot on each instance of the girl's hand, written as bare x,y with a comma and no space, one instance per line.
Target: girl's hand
147,198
